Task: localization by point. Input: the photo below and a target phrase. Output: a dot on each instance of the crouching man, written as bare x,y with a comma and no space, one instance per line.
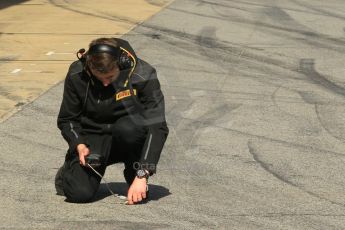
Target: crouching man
112,109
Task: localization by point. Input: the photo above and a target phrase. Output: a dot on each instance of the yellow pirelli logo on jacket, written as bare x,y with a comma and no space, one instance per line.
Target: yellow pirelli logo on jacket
126,93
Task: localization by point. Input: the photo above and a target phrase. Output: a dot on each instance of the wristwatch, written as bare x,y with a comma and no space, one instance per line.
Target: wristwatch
141,173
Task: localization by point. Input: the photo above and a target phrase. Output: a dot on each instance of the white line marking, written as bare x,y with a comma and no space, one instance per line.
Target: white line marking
16,71
52,52
33,71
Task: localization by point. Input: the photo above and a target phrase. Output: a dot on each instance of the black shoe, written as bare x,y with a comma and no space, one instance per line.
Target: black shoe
59,181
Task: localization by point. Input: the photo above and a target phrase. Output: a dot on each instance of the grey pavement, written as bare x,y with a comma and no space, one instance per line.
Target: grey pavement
255,97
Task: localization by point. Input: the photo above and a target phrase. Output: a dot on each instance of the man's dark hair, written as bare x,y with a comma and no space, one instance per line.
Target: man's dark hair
102,62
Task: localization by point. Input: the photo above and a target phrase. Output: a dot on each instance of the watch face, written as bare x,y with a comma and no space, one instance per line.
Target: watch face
141,173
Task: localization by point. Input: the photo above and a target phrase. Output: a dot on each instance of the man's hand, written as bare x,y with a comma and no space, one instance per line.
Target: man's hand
82,152
137,191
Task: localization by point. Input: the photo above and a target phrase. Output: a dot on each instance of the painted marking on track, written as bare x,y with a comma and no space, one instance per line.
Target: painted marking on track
52,52
33,71
16,71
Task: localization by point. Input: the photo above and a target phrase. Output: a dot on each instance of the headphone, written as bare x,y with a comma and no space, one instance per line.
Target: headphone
125,59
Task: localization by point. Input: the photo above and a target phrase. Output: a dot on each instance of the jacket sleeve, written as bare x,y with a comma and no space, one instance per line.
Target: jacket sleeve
69,116
152,99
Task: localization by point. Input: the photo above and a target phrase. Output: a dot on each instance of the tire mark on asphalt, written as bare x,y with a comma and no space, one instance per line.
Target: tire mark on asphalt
192,173
307,67
307,38
274,100
229,53
178,159
266,167
308,100
283,142
308,11
269,6
313,100
226,17
184,70
311,35
224,6
255,96
247,9
206,41
285,180
323,124
209,119
283,18
323,12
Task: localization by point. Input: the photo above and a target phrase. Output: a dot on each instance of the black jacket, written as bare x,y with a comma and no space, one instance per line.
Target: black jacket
89,107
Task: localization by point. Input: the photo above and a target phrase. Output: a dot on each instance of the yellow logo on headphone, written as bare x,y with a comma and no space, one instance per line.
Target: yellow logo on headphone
125,93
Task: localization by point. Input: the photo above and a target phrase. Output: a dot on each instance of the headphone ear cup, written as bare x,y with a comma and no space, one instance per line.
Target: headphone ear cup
125,61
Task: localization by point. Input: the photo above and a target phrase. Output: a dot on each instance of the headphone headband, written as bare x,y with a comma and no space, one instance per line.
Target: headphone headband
104,48
125,59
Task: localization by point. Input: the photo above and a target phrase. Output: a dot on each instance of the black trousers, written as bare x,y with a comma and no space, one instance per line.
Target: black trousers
124,144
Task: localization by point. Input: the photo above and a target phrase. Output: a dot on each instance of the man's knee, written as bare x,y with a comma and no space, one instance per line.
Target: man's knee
77,191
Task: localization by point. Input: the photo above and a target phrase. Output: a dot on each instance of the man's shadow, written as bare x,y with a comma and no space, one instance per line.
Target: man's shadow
156,192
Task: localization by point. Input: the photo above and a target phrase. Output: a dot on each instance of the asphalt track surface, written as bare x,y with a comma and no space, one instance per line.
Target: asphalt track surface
255,106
